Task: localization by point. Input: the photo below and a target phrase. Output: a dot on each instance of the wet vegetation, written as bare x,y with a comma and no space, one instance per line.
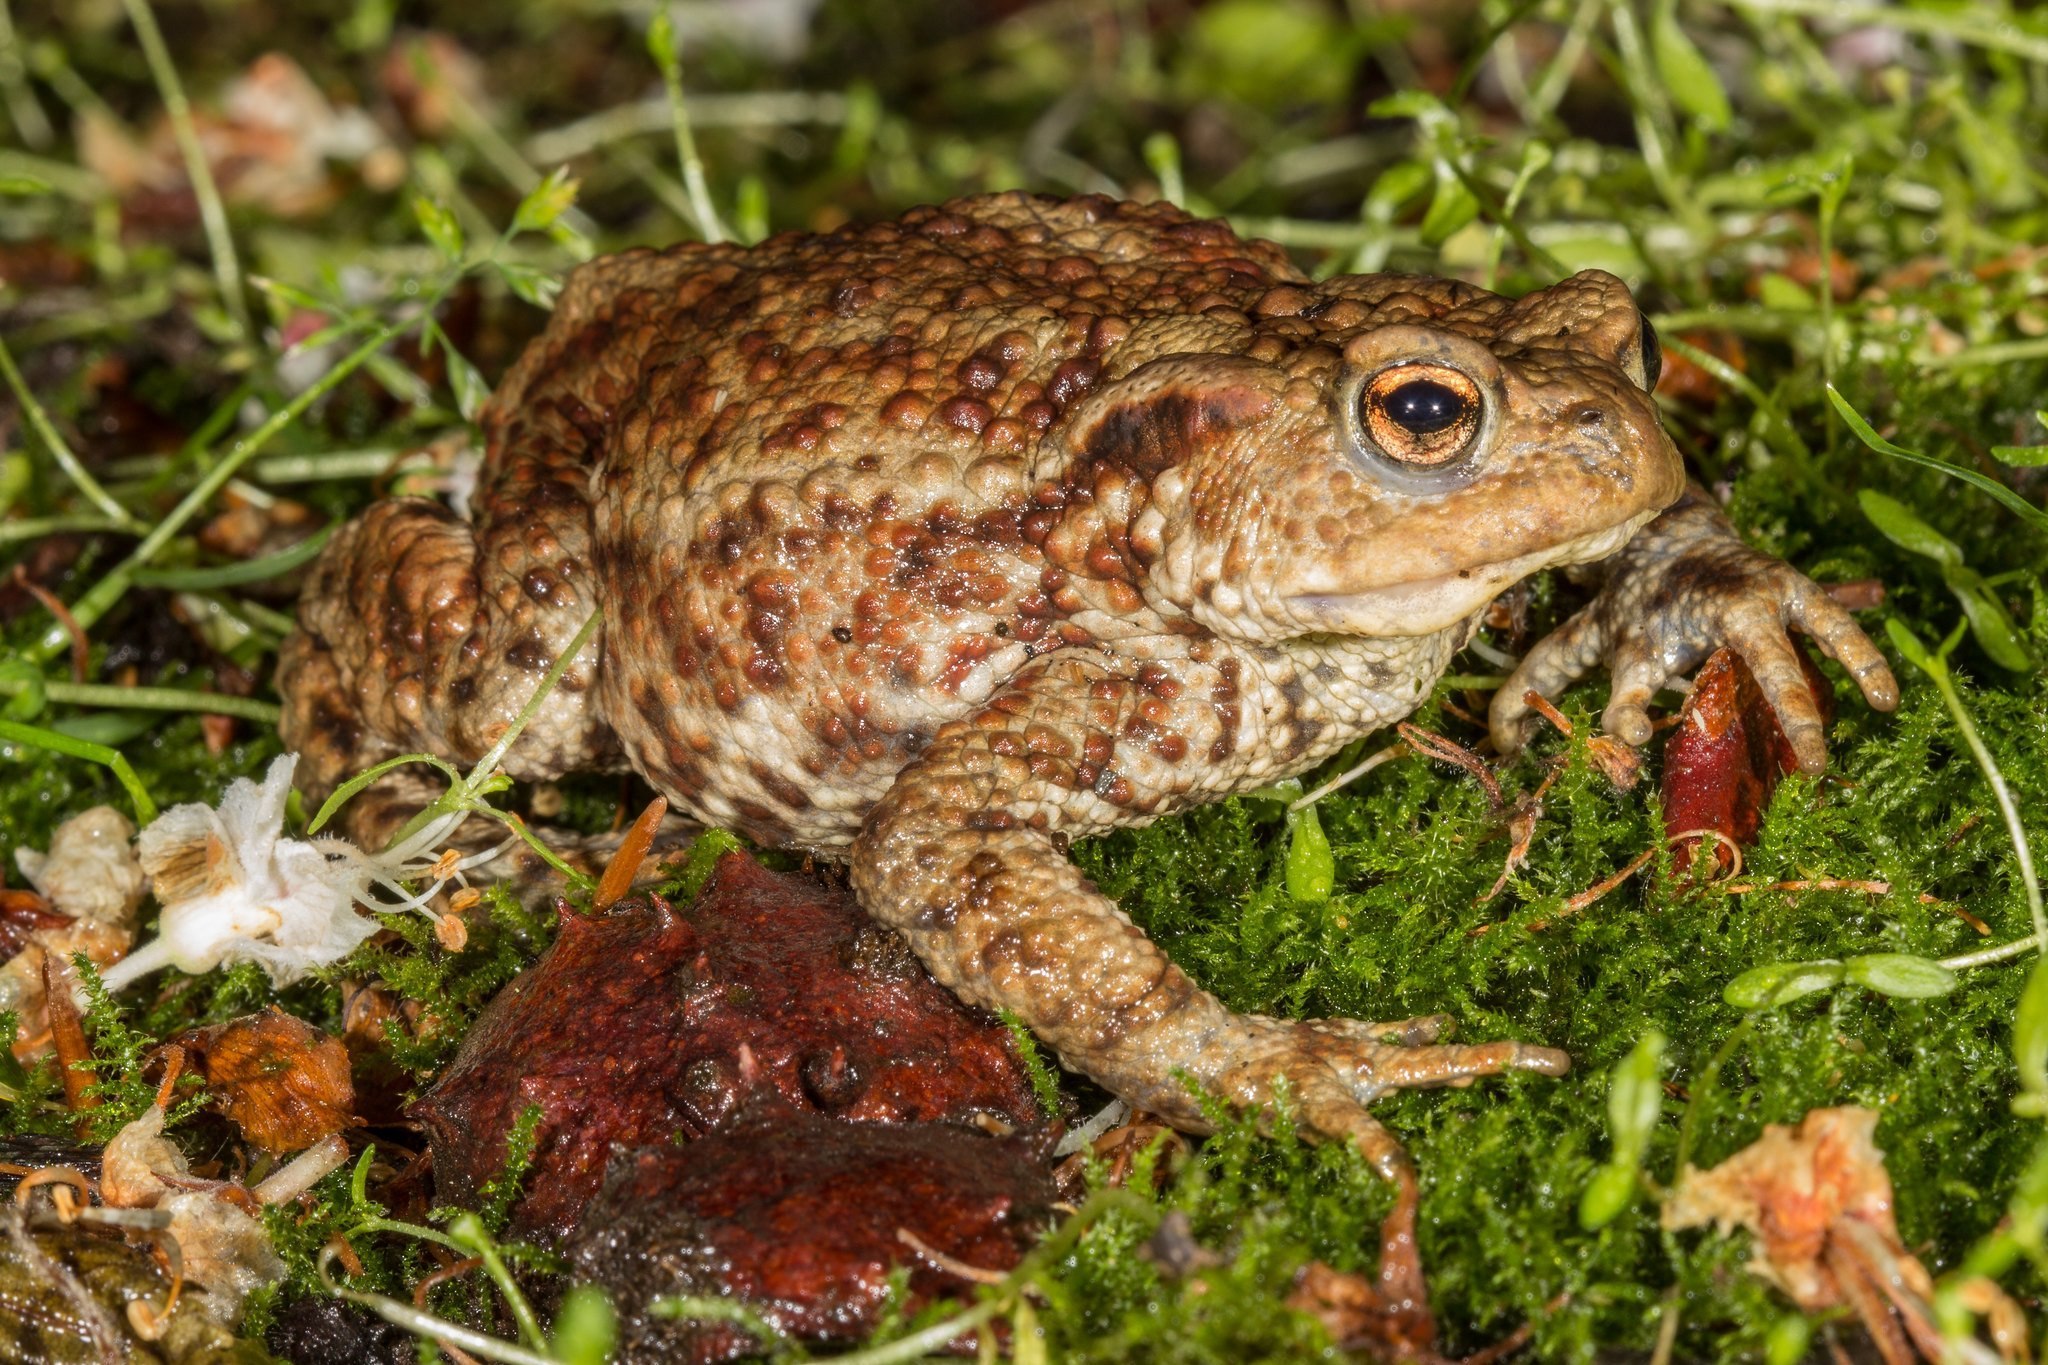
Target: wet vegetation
1801,202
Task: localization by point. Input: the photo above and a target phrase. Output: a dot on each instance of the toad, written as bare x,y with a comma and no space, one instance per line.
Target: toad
932,545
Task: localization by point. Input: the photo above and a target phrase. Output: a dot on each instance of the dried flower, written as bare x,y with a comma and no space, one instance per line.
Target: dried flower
1818,1200
90,884
224,1250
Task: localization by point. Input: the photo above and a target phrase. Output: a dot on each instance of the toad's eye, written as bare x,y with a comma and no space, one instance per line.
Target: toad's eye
1652,354
1421,415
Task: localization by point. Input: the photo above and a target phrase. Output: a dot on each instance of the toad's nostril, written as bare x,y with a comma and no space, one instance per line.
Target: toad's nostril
1592,417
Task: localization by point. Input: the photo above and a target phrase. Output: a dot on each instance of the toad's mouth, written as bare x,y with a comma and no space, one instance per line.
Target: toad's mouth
1429,605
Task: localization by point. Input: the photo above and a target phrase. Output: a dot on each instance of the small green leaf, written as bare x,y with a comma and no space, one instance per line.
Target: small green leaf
440,227
585,1327
29,701
1900,975
1452,208
471,392
1780,983
1908,644
1635,1099
661,40
24,185
1896,523
1608,1194
1784,293
2030,457
1788,1339
1397,186
538,287
1989,621
1407,104
1687,75
1311,867
549,200
2030,1042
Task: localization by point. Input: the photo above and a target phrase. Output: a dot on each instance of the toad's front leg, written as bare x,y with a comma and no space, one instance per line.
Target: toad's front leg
1682,588
961,857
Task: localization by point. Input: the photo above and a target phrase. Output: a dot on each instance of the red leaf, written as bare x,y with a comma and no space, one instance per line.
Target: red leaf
1723,761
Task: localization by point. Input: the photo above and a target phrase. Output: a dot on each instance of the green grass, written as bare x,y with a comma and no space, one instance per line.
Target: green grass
1305,122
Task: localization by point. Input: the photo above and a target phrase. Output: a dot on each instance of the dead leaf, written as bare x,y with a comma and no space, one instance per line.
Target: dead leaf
22,914
1725,757
268,145
1818,1201
1687,382
284,1083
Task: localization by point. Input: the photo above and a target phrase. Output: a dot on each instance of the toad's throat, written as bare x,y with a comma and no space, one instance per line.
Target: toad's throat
1429,605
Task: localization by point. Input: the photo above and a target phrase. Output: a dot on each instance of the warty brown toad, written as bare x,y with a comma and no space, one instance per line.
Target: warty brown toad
934,544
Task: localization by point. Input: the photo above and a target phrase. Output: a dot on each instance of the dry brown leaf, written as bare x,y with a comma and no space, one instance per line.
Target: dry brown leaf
284,1083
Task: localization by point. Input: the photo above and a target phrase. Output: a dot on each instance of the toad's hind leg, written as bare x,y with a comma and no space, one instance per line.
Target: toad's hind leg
414,638
960,856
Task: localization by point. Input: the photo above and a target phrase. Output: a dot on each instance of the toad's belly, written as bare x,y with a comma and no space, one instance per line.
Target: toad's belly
781,699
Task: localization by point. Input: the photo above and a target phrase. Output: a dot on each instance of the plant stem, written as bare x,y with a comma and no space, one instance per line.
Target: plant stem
1984,27
466,794
1944,682
138,795
669,58
227,269
39,421
29,120
148,699
35,528
1984,957
1703,1089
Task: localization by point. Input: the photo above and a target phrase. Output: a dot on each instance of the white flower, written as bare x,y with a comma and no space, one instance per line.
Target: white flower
234,889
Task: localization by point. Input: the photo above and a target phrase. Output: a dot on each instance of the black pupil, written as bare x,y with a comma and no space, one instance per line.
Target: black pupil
1424,407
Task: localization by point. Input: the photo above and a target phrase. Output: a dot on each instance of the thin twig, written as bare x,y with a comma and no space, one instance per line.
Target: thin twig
81,649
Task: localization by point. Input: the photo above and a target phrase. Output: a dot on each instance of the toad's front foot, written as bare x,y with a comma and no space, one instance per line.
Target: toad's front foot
1684,587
